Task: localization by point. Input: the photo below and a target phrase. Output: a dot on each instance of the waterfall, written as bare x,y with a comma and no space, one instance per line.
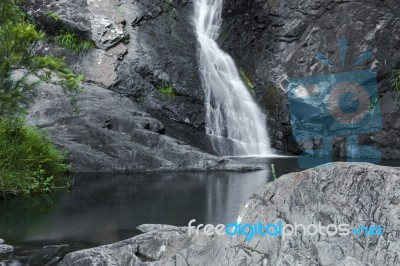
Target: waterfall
234,122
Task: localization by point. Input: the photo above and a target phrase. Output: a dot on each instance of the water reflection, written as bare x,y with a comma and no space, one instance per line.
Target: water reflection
107,208
102,209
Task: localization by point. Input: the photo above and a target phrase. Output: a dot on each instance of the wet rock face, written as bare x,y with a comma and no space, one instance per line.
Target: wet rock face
162,52
141,47
112,134
71,13
277,40
354,194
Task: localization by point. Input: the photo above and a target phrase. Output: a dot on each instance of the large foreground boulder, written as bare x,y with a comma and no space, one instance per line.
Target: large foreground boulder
354,194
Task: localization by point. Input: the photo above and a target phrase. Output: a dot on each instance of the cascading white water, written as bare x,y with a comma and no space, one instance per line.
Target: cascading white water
234,122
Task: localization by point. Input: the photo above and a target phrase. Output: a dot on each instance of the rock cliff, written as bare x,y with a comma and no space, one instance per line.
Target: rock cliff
126,122
277,40
145,46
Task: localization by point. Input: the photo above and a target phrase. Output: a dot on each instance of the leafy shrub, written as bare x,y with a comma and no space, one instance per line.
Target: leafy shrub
71,41
29,162
395,79
167,91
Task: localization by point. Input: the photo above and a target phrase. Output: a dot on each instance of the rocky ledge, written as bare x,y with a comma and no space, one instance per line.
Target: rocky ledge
354,194
110,133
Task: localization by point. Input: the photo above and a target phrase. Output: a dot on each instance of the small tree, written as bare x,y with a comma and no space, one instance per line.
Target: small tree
19,38
29,162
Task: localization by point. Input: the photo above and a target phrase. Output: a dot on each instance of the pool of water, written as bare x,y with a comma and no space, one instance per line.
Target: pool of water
102,209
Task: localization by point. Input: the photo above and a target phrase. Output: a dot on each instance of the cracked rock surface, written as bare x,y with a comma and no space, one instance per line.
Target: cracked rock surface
354,194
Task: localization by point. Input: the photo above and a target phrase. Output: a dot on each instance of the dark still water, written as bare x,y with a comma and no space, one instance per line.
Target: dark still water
102,209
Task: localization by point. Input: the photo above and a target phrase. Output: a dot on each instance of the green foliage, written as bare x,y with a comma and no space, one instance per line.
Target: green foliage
29,163
10,12
18,40
273,172
71,41
246,79
395,79
53,65
53,15
168,91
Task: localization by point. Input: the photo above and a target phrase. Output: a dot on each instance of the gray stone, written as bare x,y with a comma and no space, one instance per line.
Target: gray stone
99,67
98,19
162,51
136,55
6,249
387,140
107,23
72,14
355,194
145,228
143,46
113,134
276,40
157,246
350,261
